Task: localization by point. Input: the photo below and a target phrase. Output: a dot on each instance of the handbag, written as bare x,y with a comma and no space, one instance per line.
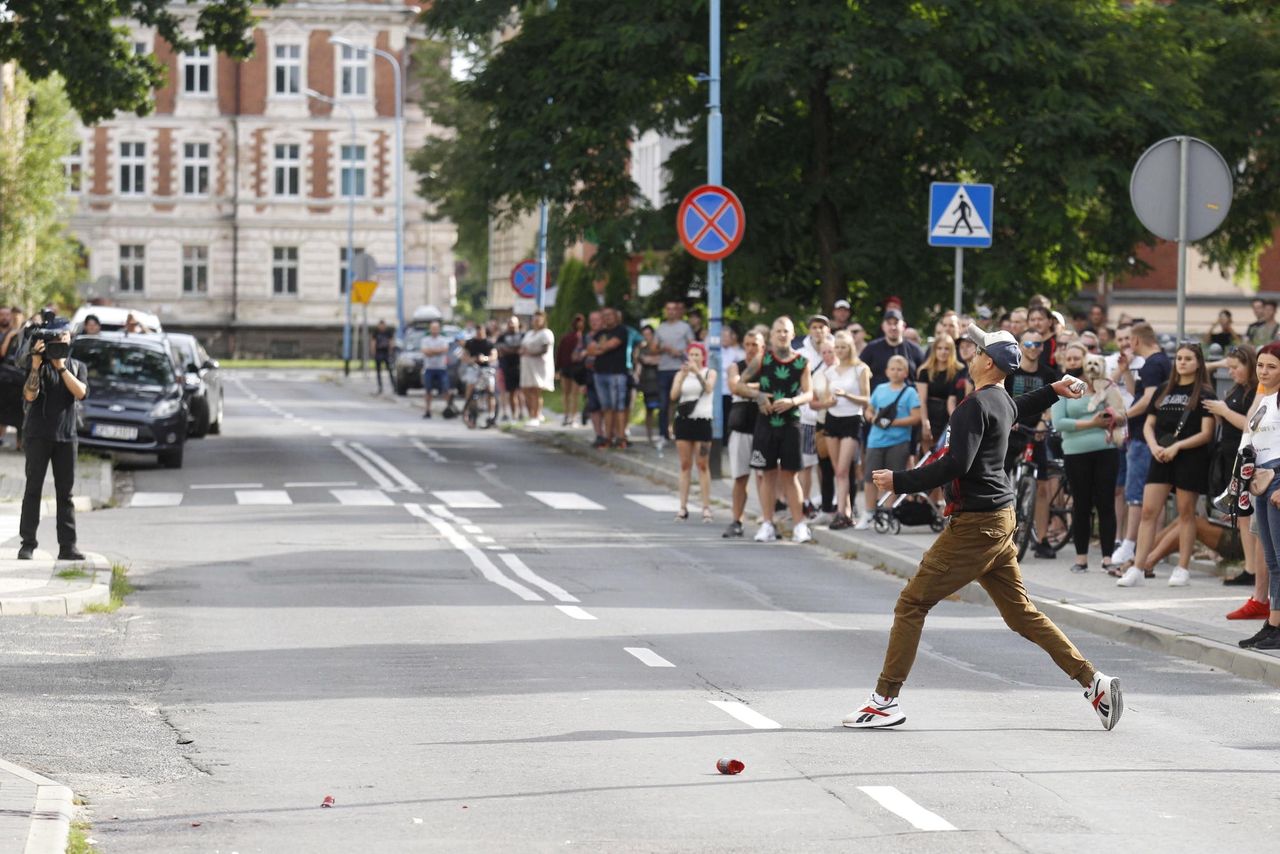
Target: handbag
1261,480
1164,440
685,408
886,415
742,417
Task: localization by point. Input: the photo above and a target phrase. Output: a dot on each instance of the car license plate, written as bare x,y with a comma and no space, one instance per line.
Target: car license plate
113,431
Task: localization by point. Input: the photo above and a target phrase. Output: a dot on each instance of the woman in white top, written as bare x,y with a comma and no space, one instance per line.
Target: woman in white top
694,390
1266,444
848,393
537,368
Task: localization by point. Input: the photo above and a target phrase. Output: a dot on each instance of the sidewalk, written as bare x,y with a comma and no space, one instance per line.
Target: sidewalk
1188,622
93,488
35,812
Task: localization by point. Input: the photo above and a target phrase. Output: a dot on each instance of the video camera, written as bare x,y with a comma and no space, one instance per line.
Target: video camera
50,331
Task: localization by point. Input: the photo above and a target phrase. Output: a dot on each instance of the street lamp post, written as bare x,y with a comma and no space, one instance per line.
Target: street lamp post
399,155
351,233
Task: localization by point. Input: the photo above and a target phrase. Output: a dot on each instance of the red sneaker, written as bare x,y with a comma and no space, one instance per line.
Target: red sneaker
1251,610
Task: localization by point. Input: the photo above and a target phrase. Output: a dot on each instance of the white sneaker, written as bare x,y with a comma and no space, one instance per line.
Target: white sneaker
766,534
1125,552
800,534
878,713
1105,697
1132,577
1179,577
864,523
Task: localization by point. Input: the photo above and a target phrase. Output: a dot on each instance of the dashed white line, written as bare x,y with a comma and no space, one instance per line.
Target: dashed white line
432,453
155,499
467,499
485,540
565,501
362,497
660,503
900,805
225,486
473,529
262,496
318,484
575,612
648,656
367,467
521,570
478,558
746,714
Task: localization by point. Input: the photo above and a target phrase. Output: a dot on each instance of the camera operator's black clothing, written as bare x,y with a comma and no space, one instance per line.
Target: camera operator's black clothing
49,436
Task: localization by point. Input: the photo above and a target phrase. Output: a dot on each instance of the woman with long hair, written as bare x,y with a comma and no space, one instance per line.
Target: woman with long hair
570,371
1090,461
1233,412
694,391
1266,444
936,385
1178,429
848,392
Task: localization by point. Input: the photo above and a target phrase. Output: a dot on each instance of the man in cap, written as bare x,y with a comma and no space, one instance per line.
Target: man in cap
840,314
877,353
977,544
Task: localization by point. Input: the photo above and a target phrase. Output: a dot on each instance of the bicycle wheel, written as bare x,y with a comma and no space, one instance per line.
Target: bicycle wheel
469,412
881,522
1024,512
1060,517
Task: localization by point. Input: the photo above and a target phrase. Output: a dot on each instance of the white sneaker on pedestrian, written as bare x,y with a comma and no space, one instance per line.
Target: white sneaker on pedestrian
878,713
766,534
864,523
1125,552
1179,577
1105,697
801,534
1132,577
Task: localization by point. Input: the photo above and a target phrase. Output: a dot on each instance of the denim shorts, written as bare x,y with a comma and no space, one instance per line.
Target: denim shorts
435,379
612,391
1138,458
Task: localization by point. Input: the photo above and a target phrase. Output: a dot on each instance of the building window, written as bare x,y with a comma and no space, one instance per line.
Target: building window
133,168
195,269
342,267
288,169
353,169
284,271
141,48
73,168
195,169
288,76
133,268
197,71
354,71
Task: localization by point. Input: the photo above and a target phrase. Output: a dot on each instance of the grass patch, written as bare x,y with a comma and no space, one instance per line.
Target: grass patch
329,364
553,401
120,588
72,572
78,839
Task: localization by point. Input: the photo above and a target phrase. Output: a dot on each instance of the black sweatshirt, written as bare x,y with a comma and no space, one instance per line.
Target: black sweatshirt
972,469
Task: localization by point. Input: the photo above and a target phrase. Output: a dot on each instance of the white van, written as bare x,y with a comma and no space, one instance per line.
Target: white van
112,318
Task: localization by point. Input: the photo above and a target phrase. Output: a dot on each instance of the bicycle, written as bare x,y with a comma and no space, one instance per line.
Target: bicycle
1026,481
485,389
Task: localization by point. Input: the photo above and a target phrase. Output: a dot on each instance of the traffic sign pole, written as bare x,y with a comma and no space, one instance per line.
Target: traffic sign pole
715,295
959,278
1184,145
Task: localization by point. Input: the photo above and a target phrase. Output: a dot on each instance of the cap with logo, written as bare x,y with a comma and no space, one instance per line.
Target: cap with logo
1001,346
892,314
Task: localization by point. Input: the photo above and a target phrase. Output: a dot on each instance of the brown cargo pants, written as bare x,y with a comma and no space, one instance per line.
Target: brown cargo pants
973,547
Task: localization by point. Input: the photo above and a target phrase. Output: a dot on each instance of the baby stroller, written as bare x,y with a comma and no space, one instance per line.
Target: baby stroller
915,508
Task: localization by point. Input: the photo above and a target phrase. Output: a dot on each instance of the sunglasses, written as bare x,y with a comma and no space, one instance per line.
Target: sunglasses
1033,345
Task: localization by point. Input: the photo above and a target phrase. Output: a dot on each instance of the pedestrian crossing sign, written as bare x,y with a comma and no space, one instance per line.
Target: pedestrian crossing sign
960,214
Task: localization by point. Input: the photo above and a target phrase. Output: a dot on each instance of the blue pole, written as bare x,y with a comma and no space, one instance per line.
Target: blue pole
542,225
351,261
715,297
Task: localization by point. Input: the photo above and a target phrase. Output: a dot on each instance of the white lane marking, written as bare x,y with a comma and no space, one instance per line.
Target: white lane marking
155,499
473,529
485,540
304,484
381,462
575,612
648,656
478,558
262,496
903,807
362,497
467,499
496,548
443,512
516,565
382,481
746,714
225,486
660,503
432,453
565,501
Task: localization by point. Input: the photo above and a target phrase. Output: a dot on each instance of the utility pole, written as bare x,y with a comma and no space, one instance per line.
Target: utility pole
715,273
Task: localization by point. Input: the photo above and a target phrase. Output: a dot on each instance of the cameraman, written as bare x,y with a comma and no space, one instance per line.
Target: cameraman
51,391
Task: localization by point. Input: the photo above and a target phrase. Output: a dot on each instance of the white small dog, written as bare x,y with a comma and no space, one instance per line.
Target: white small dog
1106,394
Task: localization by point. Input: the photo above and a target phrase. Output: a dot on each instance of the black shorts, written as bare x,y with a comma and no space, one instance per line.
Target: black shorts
844,427
511,376
776,447
692,429
1189,471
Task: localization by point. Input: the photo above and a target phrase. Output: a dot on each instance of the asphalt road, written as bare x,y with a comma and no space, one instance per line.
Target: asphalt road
339,598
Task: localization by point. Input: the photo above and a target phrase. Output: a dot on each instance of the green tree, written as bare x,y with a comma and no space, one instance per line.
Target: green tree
838,116
39,260
575,294
84,42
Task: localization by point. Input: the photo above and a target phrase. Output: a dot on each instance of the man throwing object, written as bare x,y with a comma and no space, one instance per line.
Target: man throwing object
977,544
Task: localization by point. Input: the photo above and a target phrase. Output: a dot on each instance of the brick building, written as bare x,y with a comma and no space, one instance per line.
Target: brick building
225,210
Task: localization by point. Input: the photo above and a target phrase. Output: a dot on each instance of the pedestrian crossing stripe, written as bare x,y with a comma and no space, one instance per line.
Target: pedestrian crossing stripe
659,503
960,218
155,499
565,501
466,499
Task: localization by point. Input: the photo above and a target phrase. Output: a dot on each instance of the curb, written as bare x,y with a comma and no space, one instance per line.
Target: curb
64,604
50,815
1240,662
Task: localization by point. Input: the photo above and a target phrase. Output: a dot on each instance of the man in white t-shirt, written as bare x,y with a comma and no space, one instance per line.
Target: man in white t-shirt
810,346
435,366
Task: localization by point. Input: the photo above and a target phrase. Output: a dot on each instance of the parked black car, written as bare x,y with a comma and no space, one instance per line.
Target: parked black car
136,401
203,383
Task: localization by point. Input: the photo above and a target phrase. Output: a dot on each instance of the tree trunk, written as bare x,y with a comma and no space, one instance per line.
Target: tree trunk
826,219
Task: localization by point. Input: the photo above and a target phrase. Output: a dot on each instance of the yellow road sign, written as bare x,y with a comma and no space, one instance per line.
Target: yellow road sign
362,292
